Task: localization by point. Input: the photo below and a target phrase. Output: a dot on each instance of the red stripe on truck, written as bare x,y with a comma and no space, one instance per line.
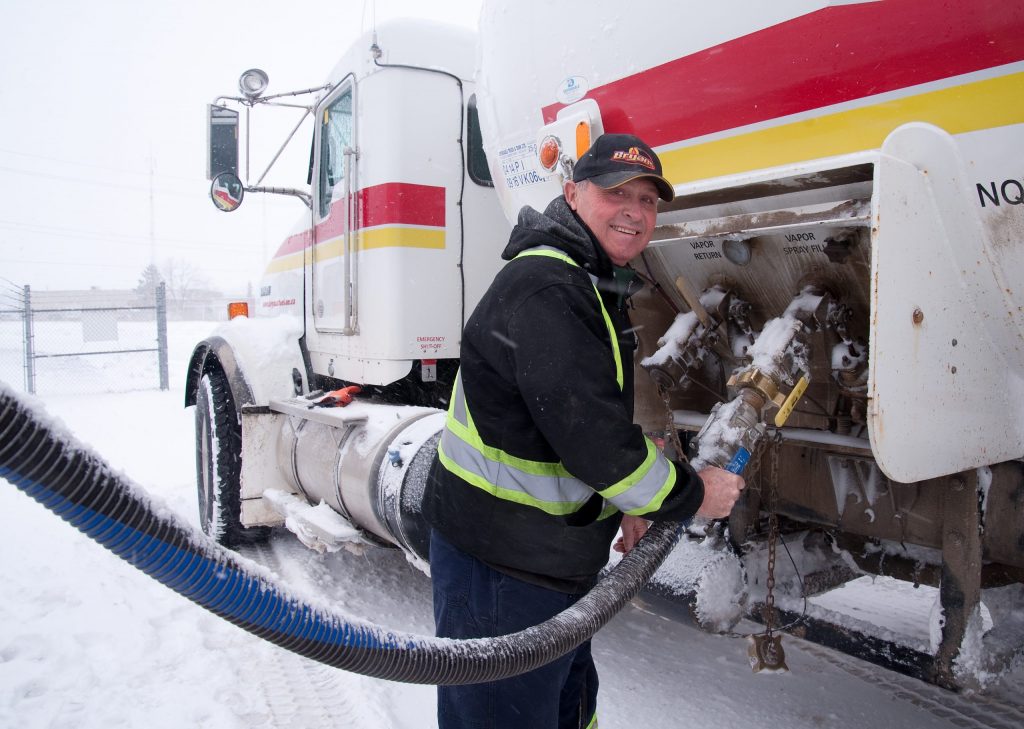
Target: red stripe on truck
391,203
827,57
401,203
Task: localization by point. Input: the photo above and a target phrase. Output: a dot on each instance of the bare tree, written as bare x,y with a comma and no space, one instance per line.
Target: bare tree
149,279
183,281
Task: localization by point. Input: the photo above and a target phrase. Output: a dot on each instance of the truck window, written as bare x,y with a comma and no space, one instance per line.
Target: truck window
476,160
335,136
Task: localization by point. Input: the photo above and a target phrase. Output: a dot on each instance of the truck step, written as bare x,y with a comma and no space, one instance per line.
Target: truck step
318,527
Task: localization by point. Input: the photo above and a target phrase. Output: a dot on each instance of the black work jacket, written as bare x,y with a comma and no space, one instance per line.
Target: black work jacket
538,373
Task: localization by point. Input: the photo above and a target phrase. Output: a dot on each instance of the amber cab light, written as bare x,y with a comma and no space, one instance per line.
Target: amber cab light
238,308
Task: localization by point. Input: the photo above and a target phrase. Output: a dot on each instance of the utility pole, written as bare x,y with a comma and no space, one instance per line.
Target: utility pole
152,213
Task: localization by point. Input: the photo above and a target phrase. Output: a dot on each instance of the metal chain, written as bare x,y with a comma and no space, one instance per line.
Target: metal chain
772,647
773,535
670,427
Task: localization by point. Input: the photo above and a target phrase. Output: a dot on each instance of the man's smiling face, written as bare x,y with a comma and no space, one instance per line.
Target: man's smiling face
621,218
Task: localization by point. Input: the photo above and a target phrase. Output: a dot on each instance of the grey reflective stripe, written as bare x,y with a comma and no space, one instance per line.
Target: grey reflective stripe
545,485
645,489
557,495
457,407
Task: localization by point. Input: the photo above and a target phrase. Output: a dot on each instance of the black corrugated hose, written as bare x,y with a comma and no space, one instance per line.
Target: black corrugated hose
51,467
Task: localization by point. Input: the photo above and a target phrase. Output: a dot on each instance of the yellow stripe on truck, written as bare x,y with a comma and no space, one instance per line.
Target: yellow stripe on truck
397,236
384,237
965,108
285,263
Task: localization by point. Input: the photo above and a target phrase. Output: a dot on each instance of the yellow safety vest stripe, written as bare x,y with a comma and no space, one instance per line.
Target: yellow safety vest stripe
552,253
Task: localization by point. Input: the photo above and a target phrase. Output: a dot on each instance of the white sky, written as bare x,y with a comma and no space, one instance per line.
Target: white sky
92,94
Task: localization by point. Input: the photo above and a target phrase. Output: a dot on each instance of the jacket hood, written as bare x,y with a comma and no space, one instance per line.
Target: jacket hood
559,227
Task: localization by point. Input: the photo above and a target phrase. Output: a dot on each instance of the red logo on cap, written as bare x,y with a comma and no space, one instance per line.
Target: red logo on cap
634,157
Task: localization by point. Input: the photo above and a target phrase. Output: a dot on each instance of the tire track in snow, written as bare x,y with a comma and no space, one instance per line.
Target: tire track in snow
970,711
300,692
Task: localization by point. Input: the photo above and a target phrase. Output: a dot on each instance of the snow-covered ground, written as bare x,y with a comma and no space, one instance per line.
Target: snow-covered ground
87,641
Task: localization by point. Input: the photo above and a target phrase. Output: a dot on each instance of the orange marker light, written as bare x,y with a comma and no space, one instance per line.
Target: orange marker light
238,308
582,138
550,151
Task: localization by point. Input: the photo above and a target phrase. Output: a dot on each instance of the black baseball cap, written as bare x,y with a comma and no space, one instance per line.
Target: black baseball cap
615,159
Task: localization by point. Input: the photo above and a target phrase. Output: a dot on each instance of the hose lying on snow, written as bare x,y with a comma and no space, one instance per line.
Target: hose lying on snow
84,491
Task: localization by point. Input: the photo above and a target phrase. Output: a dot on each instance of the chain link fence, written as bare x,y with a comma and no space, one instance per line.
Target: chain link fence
68,349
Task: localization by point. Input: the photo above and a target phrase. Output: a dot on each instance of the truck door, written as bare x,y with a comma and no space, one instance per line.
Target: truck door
384,280
333,298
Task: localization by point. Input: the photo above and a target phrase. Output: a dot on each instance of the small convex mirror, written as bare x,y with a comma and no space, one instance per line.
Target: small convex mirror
227,191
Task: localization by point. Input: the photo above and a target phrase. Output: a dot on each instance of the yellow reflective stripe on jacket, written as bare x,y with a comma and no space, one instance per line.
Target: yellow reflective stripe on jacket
553,253
519,495
460,422
545,485
644,490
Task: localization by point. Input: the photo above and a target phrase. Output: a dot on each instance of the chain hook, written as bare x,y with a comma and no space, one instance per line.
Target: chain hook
766,651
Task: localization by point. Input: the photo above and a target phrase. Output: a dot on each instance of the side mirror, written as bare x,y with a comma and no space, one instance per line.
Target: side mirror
222,141
227,191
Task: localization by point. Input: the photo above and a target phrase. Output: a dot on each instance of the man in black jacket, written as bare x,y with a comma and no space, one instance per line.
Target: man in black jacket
540,464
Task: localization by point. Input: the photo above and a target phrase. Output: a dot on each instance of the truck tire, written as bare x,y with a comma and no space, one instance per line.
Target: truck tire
219,464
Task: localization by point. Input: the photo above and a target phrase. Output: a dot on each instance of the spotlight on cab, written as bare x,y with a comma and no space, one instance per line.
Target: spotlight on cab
253,83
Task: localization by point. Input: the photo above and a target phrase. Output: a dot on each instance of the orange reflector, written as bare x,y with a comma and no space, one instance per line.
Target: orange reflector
238,308
582,138
550,150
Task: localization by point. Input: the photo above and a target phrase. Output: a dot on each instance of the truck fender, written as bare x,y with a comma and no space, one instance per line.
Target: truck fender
216,352
259,358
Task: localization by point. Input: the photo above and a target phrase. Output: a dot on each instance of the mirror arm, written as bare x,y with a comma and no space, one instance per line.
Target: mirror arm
313,90
306,197
265,99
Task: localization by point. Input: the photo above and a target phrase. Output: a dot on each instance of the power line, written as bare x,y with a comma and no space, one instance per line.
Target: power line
107,264
125,238
98,183
122,170
13,287
140,241
16,170
119,186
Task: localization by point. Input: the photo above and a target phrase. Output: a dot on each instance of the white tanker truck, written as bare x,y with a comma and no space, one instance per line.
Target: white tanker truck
836,285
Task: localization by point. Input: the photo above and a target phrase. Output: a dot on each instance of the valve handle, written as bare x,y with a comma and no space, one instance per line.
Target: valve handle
787,407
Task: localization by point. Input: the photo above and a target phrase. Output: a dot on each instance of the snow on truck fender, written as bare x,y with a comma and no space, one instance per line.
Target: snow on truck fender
268,352
258,356
872,148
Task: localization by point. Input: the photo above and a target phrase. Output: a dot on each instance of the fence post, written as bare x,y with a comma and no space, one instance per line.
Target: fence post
29,344
161,334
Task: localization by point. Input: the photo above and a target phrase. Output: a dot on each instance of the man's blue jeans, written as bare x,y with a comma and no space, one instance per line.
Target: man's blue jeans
471,600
